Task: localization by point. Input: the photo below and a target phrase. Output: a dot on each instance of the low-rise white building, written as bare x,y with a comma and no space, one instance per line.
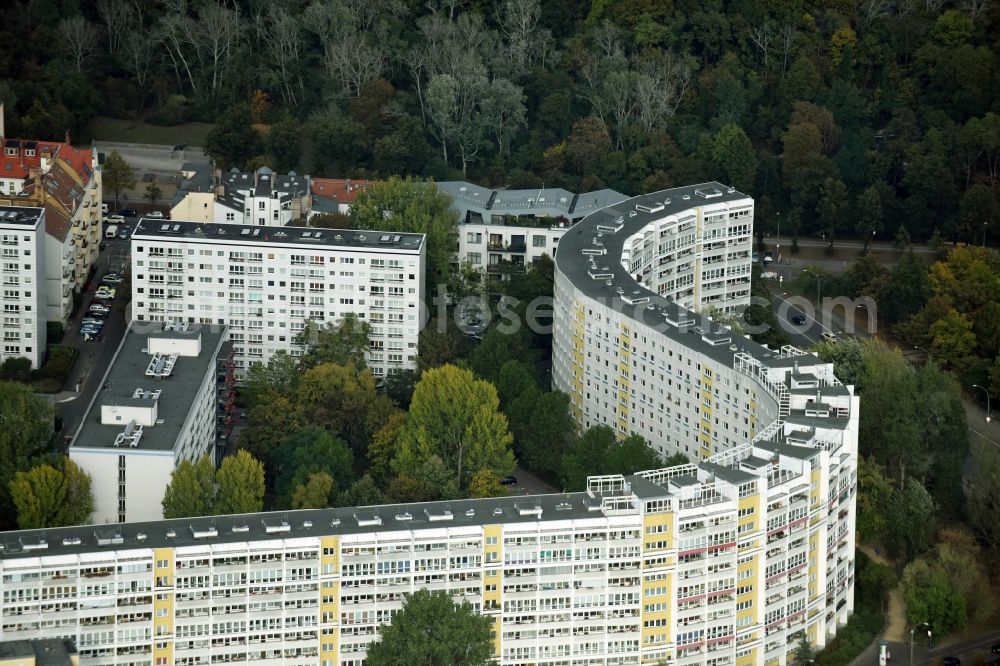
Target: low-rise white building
22,252
157,406
266,283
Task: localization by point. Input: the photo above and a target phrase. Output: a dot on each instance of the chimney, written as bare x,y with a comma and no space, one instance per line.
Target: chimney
67,142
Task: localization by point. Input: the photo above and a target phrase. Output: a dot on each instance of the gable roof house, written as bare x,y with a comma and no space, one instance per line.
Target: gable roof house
66,182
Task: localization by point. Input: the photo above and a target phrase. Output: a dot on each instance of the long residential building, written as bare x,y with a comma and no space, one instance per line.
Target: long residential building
22,252
266,283
724,562
157,407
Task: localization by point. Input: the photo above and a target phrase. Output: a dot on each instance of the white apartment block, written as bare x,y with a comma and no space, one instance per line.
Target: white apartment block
22,252
265,284
507,230
157,406
722,563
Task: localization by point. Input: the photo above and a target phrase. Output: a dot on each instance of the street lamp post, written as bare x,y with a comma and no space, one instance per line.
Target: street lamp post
987,400
912,631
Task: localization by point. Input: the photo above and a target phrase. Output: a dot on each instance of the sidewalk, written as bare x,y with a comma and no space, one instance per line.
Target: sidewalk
895,616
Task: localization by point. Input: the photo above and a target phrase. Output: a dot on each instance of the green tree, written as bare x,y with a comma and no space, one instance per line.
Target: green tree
549,433
912,521
495,349
284,144
408,205
875,500
435,347
486,483
314,493
633,454
343,342
734,155
804,652
45,496
363,492
344,401
587,456
952,340
979,211
309,451
847,356
234,140
432,629
25,432
153,193
240,485
906,290
116,175
330,221
869,214
456,417
832,207
191,491
983,496
931,597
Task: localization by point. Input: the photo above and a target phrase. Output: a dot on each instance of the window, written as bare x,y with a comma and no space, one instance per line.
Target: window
475,258
538,241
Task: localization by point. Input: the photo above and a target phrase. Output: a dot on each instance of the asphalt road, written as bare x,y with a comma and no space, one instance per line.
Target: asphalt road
95,356
967,650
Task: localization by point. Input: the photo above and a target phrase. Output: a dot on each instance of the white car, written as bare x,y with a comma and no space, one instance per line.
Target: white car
155,214
105,292
99,309
828,336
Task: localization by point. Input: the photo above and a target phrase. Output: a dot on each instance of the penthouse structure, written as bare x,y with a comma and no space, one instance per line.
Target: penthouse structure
22,252
724,562
265,284
506,230
157,406
261,198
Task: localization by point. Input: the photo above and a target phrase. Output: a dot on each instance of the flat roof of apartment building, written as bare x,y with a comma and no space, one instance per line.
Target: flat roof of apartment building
685,483
590,257
21,216
287,236
137,377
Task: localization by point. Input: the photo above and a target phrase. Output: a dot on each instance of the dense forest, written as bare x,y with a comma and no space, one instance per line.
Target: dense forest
842,117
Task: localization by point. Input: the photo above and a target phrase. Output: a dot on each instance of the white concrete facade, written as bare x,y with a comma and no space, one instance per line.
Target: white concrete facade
23,294
633,356
266,284
145,421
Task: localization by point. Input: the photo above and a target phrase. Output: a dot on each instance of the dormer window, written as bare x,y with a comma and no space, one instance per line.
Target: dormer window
10,152
30,152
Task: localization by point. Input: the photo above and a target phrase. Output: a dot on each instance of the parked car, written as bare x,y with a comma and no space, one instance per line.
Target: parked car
951,661
106,289
798,319
112,282
89,329
92,320
828,337
509,480
105,208
128,212
155,214
98,307
123,234
114,219
768,257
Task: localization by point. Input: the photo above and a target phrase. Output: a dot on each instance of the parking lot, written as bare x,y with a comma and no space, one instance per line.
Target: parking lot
96,351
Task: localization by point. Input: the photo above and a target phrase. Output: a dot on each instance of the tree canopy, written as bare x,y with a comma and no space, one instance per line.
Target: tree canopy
47,496
432,629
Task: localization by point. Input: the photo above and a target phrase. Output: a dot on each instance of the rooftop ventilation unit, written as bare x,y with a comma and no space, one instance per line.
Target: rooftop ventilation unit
164,227
528,509
384,238
437,515
368,519
160,365
276,526
204,531
245,232
240,529
110,537
708,193
592,251
656,207
141,394
130,436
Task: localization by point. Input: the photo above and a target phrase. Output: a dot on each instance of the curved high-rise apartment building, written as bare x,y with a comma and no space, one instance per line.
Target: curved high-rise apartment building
724,562
635,348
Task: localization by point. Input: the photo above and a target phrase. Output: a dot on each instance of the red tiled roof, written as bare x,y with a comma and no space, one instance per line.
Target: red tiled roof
20,165
344,190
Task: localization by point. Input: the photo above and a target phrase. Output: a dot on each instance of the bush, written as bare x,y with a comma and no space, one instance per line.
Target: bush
176,110
59,362
54,332
16,369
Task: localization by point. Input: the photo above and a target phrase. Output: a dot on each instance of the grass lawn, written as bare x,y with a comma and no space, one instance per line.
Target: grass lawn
103,128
